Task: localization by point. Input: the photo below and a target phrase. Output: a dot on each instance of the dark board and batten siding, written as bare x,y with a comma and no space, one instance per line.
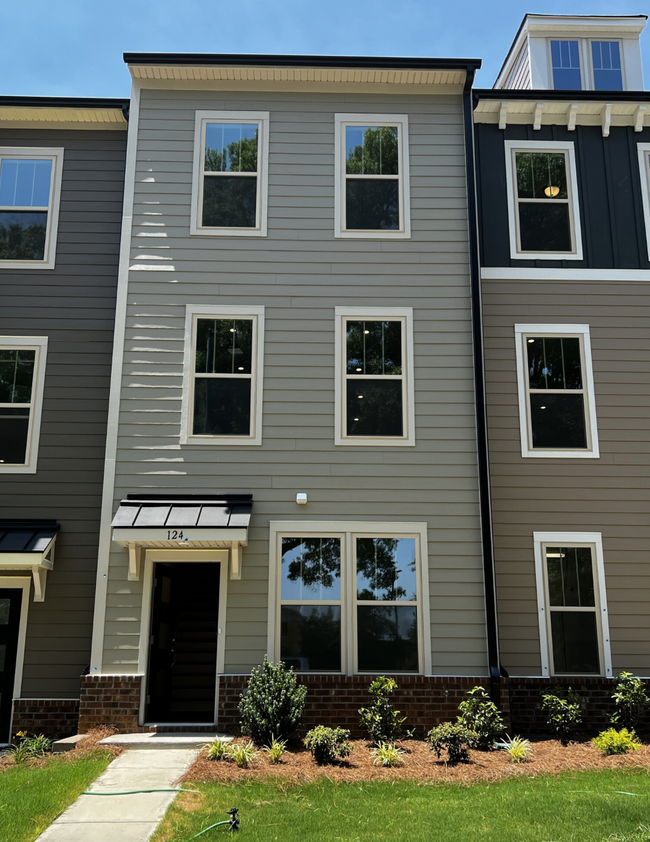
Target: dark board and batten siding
300,273
609,195
73,305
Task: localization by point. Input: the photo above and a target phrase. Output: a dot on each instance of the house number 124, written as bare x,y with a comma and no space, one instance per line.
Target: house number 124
174,534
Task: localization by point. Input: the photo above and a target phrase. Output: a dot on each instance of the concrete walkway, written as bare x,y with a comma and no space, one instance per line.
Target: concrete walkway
124,818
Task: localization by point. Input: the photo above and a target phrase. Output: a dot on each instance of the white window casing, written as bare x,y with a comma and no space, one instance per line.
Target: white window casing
347,532
644,172
51,208
400,121
592,540
551,147
404,315
203,118
581,332
193,314
38,344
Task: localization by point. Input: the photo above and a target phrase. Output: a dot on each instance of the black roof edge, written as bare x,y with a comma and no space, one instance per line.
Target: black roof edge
264,60
187,498
30,523
62,102
559,96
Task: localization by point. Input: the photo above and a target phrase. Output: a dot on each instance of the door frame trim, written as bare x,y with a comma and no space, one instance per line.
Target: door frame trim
19,583
174,556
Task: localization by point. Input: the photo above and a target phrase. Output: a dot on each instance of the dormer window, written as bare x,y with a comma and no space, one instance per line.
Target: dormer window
606,64
582,64
565,65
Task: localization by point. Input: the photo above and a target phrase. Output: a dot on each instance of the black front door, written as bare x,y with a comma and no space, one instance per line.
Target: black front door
10,605
183,648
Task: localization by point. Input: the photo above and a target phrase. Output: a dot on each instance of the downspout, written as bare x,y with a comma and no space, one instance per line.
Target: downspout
481,409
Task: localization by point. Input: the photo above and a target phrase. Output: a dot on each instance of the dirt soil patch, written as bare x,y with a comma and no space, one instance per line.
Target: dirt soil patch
297,765
89,744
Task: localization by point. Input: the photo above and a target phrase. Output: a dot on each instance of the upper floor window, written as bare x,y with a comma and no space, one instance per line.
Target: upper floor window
372,185
22,380
374,365
644,167
222,393
556,392
581,64
30,189
544,218
230,187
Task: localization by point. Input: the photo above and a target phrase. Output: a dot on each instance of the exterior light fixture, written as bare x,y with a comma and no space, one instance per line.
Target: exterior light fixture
551,191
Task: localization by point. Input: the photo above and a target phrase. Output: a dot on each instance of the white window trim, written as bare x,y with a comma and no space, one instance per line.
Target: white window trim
41,154
587,76
262,118
39,345
192,314
404,191
591,427
347,531
405,315
644,170
572,539
512,146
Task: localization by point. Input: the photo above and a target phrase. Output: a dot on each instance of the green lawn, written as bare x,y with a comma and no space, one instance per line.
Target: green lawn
31,797
574,807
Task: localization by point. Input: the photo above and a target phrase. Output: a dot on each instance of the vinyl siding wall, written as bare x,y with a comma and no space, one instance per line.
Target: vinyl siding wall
300,272
73,305
519,76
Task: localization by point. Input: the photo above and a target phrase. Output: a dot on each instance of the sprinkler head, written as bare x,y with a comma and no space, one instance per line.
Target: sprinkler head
234,819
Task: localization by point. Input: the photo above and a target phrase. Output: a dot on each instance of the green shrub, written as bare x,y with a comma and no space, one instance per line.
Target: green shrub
216,750
273,704
562,709
328,744
519,749
275,750
29,747
630,699
481,716
382,721
616,742
242,753
387,754
455,738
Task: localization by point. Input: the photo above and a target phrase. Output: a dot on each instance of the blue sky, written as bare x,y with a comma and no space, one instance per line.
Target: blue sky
74,47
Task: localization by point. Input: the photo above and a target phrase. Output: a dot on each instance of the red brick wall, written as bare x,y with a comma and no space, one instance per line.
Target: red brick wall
110,700
335,700
52,717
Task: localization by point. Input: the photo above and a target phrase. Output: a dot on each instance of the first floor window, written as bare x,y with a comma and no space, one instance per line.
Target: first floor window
349,601
556,391
572,604
30,187
223,375
22,375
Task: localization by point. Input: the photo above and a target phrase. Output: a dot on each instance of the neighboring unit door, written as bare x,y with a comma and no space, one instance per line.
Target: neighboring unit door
182,670
10,606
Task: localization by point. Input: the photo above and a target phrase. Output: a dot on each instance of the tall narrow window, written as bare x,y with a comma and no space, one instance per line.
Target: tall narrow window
565,65
223,385
374,358
22,369
30,183
372,190
572,606
310,621
543,210
644,173
556,390
230,173
606,64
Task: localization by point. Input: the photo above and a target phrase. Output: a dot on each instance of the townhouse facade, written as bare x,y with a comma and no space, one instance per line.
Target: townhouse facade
562,146
61,181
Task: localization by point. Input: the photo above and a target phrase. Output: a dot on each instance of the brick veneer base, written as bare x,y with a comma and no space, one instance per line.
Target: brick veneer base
335,700
112,700
52,717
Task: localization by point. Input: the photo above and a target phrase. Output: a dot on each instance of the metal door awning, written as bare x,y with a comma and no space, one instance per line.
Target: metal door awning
29,545
197,521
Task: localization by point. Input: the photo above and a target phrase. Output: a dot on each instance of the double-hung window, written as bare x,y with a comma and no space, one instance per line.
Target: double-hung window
348,597
22,380
544,219
374,366
644,172
230,185
557,407
30,189
582,64
372,196
572,605
565,65
222,395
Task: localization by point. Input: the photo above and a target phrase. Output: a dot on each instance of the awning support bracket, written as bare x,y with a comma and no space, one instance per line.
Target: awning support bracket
135,562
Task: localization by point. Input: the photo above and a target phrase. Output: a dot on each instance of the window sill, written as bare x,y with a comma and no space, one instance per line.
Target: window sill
17,469
227,232
374,442
372,235
26,264
557,454
562,255
220,441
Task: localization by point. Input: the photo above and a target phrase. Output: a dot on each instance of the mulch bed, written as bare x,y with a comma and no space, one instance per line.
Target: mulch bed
297,765
89,744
